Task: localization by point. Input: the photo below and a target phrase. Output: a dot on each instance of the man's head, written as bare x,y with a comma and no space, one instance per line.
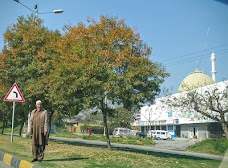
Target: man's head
38,104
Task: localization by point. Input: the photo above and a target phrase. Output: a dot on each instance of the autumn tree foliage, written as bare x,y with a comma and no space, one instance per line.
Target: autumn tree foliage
99,66
103,66
26,60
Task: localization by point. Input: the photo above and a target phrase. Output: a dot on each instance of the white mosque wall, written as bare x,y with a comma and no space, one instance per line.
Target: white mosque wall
160,113
201,130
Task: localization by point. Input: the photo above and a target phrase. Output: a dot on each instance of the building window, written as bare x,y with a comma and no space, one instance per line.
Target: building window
170,127
170,114
163,128
157,127
176,121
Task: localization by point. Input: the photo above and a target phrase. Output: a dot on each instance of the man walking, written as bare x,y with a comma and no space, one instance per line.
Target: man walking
39,131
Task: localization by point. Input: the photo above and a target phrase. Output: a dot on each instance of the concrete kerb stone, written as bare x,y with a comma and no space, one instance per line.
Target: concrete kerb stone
15,162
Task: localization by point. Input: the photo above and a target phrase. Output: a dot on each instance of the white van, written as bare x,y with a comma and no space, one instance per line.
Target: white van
158,134
121,132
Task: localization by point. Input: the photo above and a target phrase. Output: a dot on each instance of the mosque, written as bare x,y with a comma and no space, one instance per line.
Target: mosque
181,124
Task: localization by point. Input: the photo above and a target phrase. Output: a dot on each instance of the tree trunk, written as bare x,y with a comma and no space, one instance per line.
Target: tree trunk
22,116
106,129
225,129
50,114
3,126
21,127
224,125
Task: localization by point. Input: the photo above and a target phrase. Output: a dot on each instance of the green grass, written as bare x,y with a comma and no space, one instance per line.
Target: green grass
9,129
60,154
127,140
212,146
66,134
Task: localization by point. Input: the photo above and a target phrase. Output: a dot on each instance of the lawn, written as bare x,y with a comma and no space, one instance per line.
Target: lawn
70,155
212,146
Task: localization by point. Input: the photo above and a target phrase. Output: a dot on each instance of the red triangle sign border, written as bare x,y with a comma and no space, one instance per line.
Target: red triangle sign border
14,100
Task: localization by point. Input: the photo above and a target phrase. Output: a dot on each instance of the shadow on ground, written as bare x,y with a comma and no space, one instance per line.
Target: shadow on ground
65,159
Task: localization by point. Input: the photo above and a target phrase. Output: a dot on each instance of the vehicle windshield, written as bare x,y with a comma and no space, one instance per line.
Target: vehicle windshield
124,131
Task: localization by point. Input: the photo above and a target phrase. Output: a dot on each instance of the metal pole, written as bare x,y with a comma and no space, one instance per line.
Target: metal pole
12,122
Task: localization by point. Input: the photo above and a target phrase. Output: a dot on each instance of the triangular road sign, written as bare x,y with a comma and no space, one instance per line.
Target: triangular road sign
14,95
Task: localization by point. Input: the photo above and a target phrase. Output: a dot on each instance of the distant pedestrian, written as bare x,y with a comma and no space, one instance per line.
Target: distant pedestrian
39,131
90,131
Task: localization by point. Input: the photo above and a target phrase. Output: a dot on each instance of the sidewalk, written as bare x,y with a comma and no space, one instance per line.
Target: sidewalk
145,148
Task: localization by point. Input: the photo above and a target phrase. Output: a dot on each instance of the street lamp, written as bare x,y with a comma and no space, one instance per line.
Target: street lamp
36,9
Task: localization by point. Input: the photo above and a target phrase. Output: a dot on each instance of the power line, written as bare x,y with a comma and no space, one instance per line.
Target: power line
194,53
193,58
190,59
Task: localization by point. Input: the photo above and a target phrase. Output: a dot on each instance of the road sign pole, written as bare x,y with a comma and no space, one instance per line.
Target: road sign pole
12,122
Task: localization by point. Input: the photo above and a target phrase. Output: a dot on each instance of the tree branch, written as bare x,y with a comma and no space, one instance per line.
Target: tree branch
206,114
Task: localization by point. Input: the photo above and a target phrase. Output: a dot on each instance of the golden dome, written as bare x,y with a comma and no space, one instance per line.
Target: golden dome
194,80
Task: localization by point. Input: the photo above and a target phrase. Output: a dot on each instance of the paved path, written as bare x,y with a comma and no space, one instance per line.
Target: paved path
146,148
178,144
3,165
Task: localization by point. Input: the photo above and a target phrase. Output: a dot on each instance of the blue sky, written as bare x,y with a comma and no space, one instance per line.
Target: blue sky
182,34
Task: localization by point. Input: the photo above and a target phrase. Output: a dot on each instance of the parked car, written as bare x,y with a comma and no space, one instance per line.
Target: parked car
133,132
121,132
141,134
159,134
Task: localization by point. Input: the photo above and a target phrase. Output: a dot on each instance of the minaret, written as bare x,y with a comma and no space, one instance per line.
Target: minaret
213,71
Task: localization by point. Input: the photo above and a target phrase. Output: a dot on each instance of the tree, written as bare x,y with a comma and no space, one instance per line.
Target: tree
121,118
209,101
5,115
118,118
27,60
103,66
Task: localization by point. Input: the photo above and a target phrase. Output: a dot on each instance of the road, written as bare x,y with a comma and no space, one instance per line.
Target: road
177,144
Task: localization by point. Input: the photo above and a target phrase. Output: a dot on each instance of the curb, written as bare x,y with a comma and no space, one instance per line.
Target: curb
15,162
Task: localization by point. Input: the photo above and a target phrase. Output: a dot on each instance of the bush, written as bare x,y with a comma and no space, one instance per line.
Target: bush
94,137
133,141
95,129
127,140
66,135
61,129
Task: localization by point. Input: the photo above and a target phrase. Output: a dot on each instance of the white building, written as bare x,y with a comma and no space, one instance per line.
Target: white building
185,123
